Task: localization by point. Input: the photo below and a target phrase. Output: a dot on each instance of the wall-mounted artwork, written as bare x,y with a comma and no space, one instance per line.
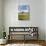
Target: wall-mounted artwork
23,13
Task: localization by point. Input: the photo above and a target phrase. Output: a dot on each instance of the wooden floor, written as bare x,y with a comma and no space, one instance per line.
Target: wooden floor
40,42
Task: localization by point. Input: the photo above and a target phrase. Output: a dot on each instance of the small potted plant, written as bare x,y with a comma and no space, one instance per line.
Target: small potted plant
3,37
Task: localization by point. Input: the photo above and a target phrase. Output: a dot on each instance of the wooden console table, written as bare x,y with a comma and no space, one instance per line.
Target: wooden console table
26,31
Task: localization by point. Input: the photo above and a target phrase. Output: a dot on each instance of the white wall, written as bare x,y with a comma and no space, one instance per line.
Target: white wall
36,15
45,19
0,18
0,11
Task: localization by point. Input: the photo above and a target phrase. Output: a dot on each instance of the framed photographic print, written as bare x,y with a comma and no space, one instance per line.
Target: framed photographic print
23,13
